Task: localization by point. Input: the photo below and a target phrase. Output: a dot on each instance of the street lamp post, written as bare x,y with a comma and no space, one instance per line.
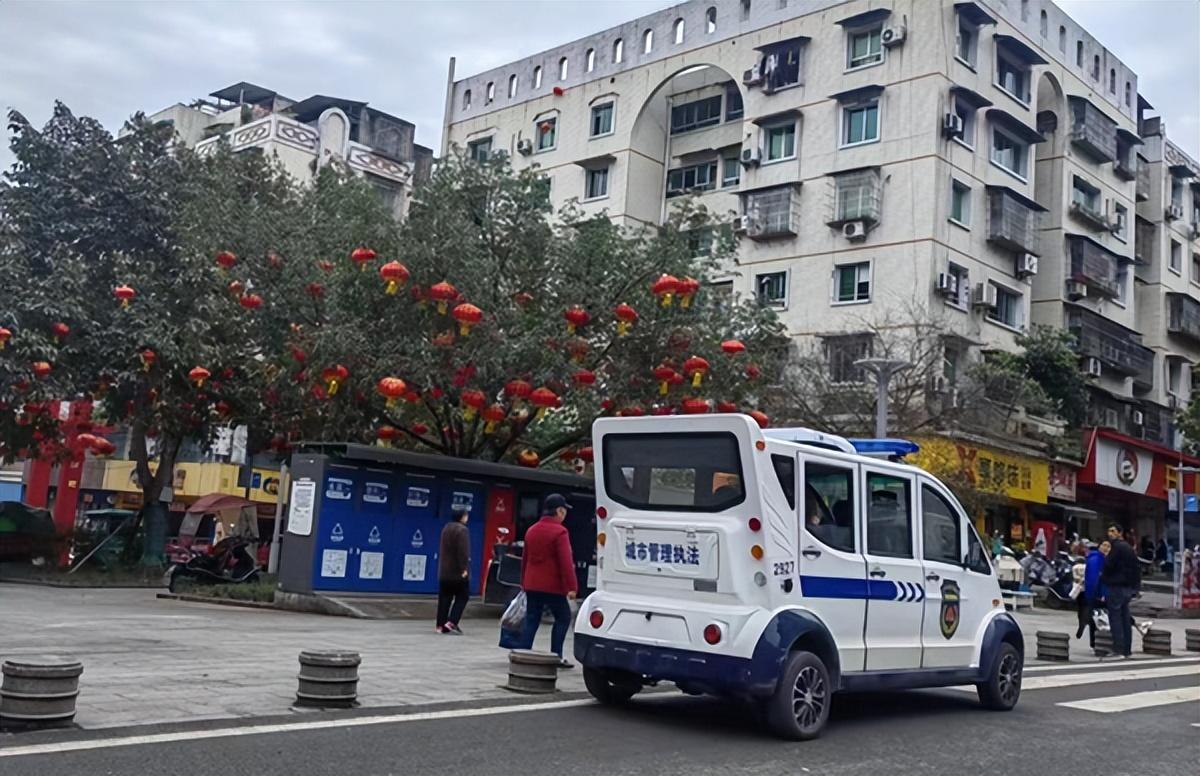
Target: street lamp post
883,369
1177,565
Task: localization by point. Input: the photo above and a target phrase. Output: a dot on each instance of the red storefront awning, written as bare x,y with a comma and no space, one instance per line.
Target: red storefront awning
1117,461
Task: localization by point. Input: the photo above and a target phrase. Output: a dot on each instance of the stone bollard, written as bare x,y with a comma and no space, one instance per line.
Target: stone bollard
1104,643
39,691
1192,640
532,672
328,679
1053,646
1157,642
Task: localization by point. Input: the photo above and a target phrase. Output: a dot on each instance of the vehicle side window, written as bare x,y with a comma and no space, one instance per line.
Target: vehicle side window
785,471
829,505
889,516
940,528
977,559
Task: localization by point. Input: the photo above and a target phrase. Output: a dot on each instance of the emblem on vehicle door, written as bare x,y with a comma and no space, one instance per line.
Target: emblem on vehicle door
950,614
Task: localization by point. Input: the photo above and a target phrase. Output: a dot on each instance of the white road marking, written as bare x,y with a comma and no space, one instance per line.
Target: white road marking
1137,700
284,727
1110,664
1096,677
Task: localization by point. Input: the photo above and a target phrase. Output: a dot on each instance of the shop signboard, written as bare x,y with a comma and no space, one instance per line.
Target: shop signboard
1017,476
1062,482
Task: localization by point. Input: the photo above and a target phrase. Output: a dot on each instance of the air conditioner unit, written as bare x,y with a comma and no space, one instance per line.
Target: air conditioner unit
1092,366
742,224
525,147
1027,265
753,76
854,230
751,156
947,284
1111,419
984,295
1076,290
1174,212
894,36
952,125
1138,417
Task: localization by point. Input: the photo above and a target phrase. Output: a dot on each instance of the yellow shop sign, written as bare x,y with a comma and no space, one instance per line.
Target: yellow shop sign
1017,476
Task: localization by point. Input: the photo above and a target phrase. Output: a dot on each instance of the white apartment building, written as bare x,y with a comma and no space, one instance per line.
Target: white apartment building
976,159
307,135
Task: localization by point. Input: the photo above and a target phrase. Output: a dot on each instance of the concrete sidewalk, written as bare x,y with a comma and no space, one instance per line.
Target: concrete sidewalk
149,661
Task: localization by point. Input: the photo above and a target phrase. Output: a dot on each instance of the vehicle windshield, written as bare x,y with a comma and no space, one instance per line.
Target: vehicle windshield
675,472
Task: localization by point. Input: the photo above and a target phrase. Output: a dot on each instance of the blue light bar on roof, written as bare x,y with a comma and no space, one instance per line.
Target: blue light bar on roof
889,448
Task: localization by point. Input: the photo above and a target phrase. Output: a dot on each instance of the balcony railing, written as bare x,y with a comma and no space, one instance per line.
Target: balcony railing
1158,425
1093,266
1183,316
1092,132
1013,220
1118,349
273,128
1090,216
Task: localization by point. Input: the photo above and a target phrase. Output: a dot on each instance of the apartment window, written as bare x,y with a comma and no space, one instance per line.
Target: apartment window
1012,76
860,123
734,109
1195,278
1096,67
1009,153
1122,281
678,31
1128,95
710,20
695,115
966,113
1112,80
490,94
512,86
960,203
1176,264
772,289
696,177
547,134
618,51
1078,53
1062,38
781,141
537,77
1045,25
647,41
1174,376
857,196
731,171
962,285
1121,228
852,282
1008,307
745,10
480,150
466,103
562,68
781,66
700,242
602,119
773,212
865,47
596,184
841,353
1085,195
968,41
1177,193
590,60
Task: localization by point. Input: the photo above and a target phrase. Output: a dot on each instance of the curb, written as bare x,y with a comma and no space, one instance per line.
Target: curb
66,586
199,599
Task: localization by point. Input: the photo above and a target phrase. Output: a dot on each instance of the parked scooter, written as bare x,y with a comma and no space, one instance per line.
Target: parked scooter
1053,574
229,562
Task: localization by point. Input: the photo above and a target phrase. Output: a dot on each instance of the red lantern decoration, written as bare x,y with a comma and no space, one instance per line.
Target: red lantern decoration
198,375
492,415
385,435
517,390
315,290
361,256
578,347
632,411
125,294
584,377
148,357
753,372
586,454
235,288
326,265
760,418
396,275
559,91
663,374
5,336
443,293
334,376
226,260
418,428
274,260
392,388
522,298
665,289
543,398
576,317
733,347
727,406
251,301
626,317
60,331
41,369
529,459
661,409
472,401
694,406
223,407
467,315
298,354
695,367
688,288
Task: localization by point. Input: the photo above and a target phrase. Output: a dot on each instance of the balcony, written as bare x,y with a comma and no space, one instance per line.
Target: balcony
1119,349
1087,214
1094,266
1158,425
772,213
1183,316
1092,132
1014,220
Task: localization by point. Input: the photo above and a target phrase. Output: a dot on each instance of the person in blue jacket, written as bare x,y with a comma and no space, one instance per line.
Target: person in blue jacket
1093,594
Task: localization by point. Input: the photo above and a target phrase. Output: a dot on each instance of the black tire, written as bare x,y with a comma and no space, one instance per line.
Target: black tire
1002,689
609,692
799,707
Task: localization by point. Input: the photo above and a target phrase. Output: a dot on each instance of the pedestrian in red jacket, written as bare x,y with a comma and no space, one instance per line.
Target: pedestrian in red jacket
548,576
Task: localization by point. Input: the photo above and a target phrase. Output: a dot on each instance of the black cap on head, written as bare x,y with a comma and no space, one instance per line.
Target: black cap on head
556,500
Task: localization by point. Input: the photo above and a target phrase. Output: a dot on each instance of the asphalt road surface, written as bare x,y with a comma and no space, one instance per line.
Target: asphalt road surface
1136,717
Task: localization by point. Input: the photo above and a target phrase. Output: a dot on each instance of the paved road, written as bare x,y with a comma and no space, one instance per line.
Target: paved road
1139,717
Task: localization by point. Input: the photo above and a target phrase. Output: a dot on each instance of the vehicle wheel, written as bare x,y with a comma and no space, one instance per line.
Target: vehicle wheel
607,691
799,708
1003,687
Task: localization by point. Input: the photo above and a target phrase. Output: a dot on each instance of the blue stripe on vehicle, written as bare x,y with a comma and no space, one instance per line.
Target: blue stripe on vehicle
862,589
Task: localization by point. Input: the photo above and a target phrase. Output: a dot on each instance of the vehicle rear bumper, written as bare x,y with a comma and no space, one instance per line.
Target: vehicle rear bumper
693,671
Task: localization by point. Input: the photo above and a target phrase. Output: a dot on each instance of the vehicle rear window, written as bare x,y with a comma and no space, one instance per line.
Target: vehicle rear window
676,472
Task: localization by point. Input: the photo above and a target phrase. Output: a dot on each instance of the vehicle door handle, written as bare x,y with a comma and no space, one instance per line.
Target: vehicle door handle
932,577
878,573
811,553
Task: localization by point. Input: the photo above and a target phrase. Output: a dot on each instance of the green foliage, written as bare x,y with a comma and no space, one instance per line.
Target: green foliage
1050,358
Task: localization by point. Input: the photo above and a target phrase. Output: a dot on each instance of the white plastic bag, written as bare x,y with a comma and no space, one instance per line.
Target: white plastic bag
513,618
1100,619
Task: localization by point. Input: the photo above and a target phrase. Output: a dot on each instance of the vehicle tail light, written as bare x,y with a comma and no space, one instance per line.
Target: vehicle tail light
596,619
712,633
601,512
755,524
600,539
757,552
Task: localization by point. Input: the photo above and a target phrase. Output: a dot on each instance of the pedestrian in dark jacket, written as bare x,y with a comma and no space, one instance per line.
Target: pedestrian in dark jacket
1120,578
1092,595
454,573
548,576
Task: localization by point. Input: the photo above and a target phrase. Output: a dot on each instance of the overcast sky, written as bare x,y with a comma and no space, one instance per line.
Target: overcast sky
110,59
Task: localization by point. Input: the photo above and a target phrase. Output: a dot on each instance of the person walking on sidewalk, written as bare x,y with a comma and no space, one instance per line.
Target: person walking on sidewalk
454,574
548,576
1091,597
1120,579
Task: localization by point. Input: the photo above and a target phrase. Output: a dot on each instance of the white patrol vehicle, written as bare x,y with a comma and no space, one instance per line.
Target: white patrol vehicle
783,566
